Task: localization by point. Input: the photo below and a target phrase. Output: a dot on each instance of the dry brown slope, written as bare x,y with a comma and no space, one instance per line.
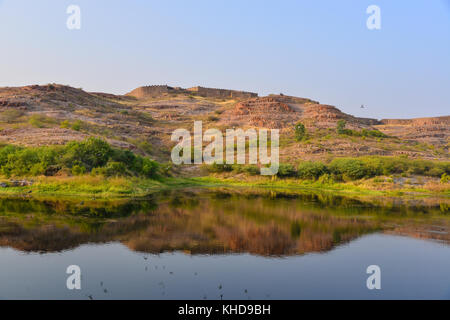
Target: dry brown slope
123,120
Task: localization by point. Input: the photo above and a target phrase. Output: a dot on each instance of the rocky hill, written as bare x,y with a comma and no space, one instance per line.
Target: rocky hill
281,112
144,119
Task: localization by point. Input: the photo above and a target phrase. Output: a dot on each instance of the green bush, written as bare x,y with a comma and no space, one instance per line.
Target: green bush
149,168
99,172
300,131
79,157
372,133
349,169
326,179
36,121
91,153
219,167
248,169
78,170
77,125
252,170
445,178
311,170
286,170
64,124
37,169
114,168
20,162
341,126
142,144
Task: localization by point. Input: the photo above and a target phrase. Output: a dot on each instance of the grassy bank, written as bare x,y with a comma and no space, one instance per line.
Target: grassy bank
380,186
94,169
100,187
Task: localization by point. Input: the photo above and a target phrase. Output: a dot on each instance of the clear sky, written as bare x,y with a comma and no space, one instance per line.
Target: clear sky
316,49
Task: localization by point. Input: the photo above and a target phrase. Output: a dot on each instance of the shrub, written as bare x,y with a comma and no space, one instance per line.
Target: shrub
35,122
91,155
77,125
64,124
445,178
78,170
341,126
219,167
114,168
20,162
38,169
349,169
252,170
11,115
326,179
149,168
435,172
372,133
98,172
286,170
142,144
248,169
300,131
39,121
125,156
311,170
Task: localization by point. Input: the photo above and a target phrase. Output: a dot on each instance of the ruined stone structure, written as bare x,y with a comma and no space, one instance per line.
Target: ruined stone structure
150,91
222,93
444,120
158,90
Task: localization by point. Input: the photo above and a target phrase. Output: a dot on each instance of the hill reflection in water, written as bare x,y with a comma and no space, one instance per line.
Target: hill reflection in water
266,223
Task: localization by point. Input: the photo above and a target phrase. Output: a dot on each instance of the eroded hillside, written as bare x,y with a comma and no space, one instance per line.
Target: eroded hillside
55,114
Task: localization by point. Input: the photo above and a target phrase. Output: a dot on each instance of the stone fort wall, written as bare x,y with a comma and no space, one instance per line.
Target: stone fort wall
222,93
158,90
147,91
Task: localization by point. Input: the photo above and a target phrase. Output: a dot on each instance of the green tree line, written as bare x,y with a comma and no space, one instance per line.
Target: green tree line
92,155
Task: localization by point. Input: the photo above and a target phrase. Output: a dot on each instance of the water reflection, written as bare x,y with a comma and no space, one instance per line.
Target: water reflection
266,223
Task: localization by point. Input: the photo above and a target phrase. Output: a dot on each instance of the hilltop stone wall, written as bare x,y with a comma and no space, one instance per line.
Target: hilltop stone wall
158,90
445,120
222,93
147,91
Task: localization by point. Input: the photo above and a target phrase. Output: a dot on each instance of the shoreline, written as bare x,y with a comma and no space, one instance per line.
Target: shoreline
111,189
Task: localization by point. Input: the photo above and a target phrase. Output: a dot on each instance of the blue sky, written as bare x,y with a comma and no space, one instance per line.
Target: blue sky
316,49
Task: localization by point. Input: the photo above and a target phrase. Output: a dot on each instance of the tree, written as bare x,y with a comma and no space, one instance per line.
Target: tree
300,131
341,126
91,153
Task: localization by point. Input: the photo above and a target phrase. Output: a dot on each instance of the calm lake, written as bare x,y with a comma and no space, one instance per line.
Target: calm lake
222,244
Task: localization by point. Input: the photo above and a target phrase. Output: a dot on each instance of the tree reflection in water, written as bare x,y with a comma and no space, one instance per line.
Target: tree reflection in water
265,223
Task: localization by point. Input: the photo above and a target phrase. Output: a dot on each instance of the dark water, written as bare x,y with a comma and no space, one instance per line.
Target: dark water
221,245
